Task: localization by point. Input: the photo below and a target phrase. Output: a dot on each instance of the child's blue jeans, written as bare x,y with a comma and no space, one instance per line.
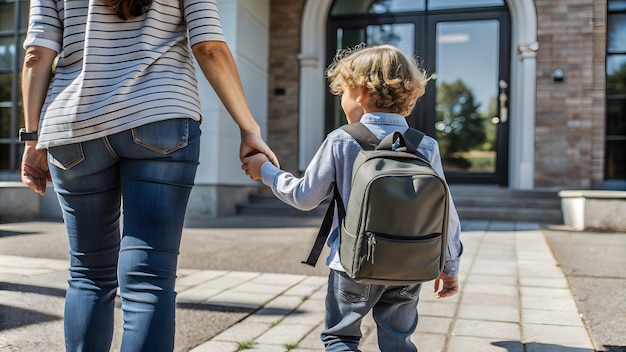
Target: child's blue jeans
394,309
150,169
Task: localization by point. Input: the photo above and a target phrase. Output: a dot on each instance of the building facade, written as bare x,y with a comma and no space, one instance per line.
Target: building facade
566,123
525,94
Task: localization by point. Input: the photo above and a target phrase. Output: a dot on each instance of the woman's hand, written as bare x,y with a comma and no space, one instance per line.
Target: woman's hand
34,168
252,144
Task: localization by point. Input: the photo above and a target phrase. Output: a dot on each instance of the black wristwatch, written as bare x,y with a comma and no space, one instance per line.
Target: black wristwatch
27,136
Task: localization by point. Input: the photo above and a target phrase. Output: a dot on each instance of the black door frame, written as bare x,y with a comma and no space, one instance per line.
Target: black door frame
501,175
423,117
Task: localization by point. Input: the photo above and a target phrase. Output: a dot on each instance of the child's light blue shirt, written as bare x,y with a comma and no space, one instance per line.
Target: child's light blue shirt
332,164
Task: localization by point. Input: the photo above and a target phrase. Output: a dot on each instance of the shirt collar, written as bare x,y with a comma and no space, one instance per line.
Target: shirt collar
384,118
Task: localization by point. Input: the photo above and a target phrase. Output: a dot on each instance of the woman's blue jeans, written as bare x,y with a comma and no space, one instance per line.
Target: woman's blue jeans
394,308
148,172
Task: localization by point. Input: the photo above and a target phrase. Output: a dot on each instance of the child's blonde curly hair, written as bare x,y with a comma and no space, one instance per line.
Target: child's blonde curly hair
394,81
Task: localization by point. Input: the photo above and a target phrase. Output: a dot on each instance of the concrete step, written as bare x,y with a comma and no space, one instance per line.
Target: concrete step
507,202
472,203
499,192
18,203
269,208
264,203
494,203
544,216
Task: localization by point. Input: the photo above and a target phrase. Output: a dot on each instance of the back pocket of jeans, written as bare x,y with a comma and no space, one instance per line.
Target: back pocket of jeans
352,290
66,156
163,137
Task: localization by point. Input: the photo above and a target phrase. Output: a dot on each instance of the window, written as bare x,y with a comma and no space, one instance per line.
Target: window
13,24
615,158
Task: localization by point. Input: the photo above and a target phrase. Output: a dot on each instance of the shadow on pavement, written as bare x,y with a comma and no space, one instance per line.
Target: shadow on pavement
517,346
13,317
229,307
47,291
254,222
5,233
225,308
610,348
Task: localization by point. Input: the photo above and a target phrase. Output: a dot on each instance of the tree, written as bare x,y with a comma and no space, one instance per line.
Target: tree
616,80
382,34
460,127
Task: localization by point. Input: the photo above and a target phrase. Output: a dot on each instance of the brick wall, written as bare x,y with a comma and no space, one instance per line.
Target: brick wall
283,81
570,114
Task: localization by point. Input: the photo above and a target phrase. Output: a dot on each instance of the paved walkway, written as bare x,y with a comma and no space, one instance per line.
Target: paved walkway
513,297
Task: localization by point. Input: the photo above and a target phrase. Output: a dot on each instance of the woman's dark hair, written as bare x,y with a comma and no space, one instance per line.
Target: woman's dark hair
127,9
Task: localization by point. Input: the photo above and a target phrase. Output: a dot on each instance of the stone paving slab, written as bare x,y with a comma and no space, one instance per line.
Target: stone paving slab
513,294
513,297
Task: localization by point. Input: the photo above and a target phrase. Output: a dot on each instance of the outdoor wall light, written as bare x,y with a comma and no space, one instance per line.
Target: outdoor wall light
558,75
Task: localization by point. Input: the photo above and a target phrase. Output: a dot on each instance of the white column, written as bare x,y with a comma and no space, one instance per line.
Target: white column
312,108
523,156
523,94
312,85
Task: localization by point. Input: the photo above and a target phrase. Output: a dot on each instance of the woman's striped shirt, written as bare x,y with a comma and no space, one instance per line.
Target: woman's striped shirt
113,75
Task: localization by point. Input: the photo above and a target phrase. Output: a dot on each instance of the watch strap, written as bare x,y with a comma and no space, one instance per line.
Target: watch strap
27,136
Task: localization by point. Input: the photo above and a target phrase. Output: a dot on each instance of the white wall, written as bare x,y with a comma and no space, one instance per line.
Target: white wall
246,26
220,182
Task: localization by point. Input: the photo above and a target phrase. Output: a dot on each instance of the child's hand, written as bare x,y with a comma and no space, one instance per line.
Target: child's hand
252,165
450,286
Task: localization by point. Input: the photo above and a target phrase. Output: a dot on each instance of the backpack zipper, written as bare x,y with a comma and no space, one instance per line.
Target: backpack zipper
371,246
404,238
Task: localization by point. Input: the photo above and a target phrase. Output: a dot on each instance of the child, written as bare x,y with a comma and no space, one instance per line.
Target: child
379,86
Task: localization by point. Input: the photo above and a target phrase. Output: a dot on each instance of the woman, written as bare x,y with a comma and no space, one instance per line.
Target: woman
119,120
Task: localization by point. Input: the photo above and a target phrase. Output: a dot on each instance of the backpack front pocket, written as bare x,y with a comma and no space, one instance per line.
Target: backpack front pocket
398,258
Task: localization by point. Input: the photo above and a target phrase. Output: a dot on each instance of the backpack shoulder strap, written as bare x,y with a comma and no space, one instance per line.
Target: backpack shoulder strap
414,136
366,139
326,226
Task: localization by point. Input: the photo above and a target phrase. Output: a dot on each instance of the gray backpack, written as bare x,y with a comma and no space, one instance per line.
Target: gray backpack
394,230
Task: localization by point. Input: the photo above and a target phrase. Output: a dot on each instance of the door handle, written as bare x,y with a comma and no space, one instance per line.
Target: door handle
503,97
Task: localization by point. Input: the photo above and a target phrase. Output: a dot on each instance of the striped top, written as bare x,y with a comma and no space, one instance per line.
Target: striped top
113,75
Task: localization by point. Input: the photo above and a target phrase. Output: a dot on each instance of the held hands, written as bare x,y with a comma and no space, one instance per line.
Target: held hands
252,143
450,286
34,169
253,153
252,165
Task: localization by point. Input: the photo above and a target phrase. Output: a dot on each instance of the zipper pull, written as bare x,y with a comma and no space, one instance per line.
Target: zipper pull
371,246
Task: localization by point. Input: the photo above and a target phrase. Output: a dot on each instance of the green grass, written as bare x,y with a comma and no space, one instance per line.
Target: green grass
484,164
245,345
291,346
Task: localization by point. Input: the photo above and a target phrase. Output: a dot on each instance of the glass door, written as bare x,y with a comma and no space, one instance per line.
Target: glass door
471,96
